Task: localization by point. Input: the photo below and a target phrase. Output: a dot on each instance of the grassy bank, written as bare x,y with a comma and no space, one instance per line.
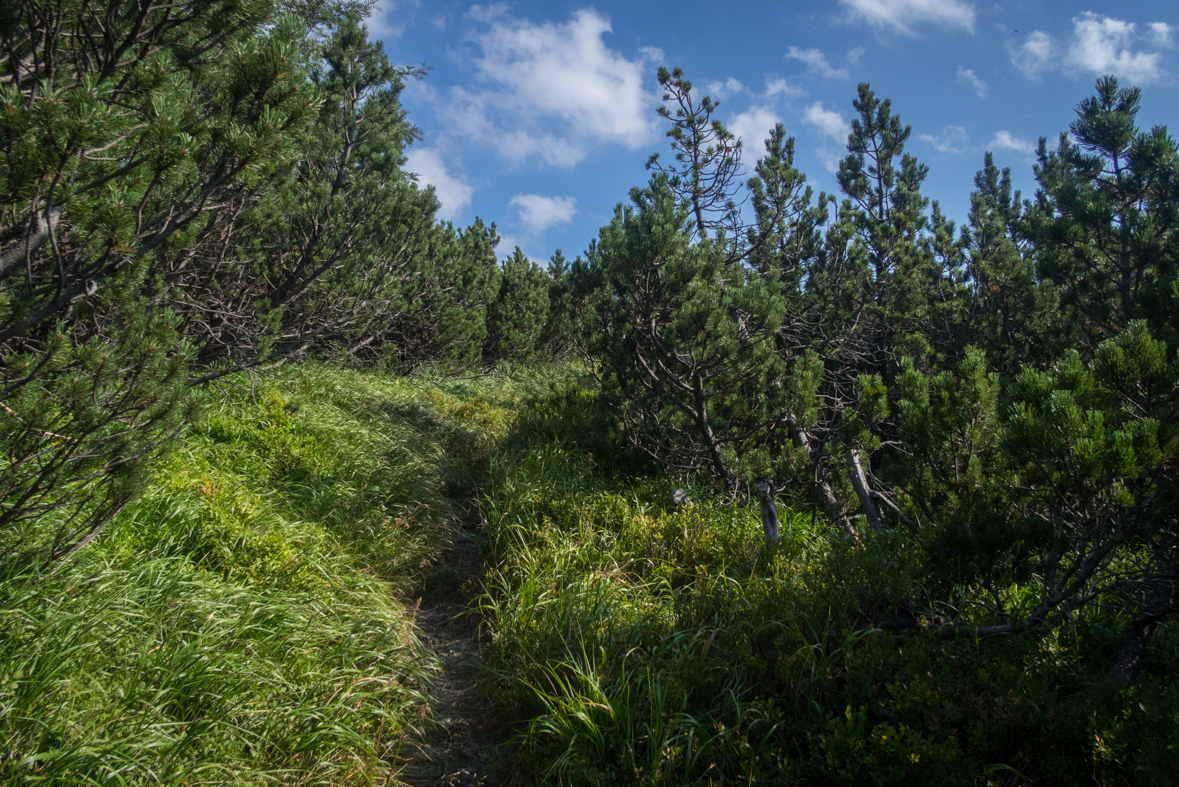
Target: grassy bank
248,620
640,643
245,621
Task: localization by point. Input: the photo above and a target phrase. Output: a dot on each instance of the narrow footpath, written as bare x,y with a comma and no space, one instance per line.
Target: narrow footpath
460,735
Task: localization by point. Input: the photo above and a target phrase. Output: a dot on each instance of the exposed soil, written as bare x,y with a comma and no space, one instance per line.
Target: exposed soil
461,733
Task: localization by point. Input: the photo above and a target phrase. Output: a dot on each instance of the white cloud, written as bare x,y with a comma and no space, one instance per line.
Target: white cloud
1034,55
1102,45
816,61
538,212
830,157
388,18
854,55
1160,33
834,127
1099,45
508,244
488,13
827,121
652,54
551,91
753,127
901,15
453,192
780,87
1005,140
953,139
730,87
967,77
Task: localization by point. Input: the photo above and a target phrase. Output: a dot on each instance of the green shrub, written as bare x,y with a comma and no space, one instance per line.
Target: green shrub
636,642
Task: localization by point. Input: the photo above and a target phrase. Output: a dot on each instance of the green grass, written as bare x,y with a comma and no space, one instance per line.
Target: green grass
639,643
246,620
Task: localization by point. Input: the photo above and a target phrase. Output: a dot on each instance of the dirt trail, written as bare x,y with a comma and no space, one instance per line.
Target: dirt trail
459,740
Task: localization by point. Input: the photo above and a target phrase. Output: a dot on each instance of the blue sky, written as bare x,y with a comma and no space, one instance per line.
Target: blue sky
540,116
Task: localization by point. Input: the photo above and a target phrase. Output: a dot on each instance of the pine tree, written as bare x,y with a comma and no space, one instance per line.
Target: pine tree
884,185
558,335
1012,315
1092,447
707,167
1105,222
682,340
517,317
1060,480
1094,437
116,147
336,236
444,316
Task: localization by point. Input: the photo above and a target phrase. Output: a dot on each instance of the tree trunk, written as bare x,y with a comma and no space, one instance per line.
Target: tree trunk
1131,656
769,511
34,237
712,443
859,481
1162,603
802,439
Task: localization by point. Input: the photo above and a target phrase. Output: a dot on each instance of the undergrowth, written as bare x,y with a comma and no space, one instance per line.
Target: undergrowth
636,642
246,620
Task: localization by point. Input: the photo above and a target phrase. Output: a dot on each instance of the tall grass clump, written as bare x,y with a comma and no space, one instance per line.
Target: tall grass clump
245,621
637,642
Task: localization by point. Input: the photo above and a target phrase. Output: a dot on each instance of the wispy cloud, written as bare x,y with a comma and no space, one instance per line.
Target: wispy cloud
1034,56
1160,33
780,87
967,77
730,87
1005,140
901,16
828,121
835,130
550,92
538,213
452,191
753,128
953,139
816,62
388,19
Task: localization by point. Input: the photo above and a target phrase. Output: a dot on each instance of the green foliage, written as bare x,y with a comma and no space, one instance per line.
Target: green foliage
950,422
636,642
448,301
216,187
845,356
1016,319
328,251
80,424
113,155
516,319
565,308
679,334
1105,221
243,620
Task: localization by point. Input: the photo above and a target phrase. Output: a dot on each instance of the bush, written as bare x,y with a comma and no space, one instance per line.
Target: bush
636,642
